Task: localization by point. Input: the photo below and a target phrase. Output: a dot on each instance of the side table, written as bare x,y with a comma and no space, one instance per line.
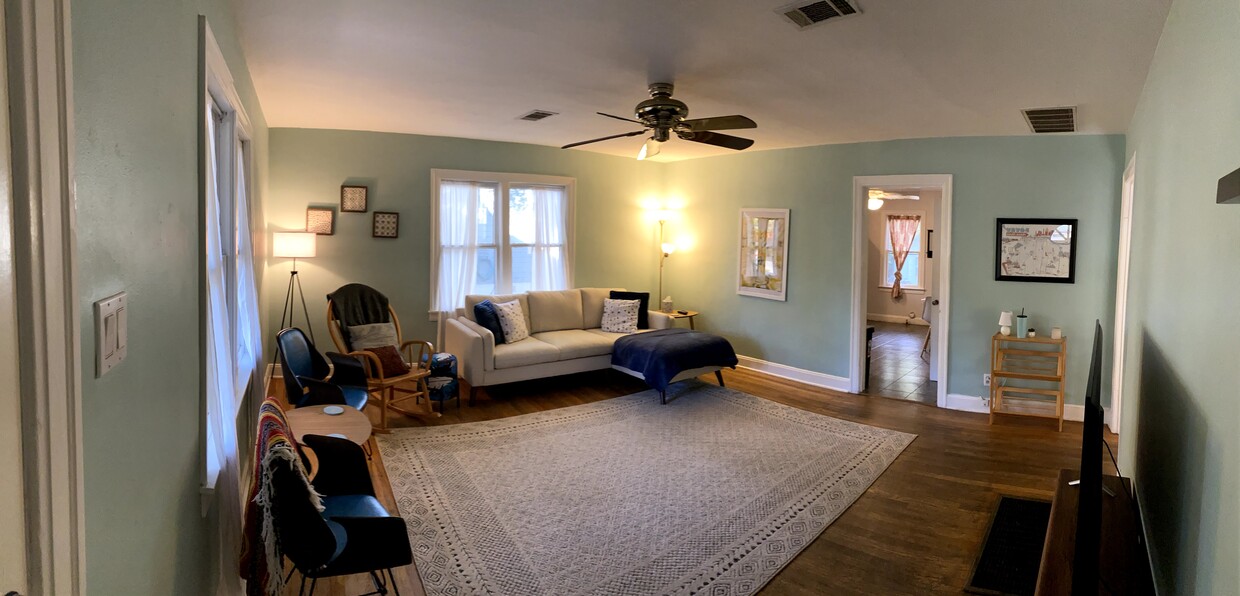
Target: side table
351,424
688,314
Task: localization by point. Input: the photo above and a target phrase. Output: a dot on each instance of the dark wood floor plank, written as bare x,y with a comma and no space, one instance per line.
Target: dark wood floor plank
917,530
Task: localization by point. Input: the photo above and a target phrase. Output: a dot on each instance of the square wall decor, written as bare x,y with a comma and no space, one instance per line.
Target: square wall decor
320,221
1041,250
353,199
386,224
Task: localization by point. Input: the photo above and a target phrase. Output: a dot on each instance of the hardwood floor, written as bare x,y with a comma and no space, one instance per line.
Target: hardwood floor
916,531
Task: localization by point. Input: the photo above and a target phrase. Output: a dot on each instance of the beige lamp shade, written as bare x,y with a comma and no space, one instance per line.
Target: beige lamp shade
294,245
1005,318
668,248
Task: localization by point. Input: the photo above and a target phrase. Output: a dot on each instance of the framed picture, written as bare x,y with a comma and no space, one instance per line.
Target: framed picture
763,268
386,224
1042,250
352,199
320,221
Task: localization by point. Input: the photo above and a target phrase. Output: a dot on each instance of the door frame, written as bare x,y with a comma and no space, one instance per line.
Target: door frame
1128,187
861,184
40,90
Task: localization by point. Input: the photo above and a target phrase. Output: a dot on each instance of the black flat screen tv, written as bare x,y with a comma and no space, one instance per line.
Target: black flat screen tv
1089,511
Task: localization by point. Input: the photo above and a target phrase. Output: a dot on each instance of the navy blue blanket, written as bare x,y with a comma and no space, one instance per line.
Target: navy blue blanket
661,355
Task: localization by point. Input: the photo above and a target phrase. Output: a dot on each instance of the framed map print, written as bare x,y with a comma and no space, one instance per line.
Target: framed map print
763,270
1042,250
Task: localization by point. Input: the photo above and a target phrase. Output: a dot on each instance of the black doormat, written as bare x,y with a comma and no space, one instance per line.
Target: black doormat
1008,563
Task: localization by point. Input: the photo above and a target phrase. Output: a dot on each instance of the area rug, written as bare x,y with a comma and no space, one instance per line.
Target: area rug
712,493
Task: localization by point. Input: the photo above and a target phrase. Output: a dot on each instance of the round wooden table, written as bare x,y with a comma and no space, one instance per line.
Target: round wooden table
310,420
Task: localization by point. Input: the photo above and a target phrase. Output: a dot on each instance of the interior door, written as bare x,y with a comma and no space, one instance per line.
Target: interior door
12,496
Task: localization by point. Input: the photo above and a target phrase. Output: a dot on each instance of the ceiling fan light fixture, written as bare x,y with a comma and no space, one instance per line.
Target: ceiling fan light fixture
650,149
874,203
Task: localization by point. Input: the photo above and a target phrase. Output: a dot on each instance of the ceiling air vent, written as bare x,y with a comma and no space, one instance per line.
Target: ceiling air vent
808,14
1051,119
536,115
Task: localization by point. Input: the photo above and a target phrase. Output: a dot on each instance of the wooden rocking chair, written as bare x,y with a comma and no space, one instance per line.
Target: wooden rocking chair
383,389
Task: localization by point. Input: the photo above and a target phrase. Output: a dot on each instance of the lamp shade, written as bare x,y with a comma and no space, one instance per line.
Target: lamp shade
668,248
1005,318
295,245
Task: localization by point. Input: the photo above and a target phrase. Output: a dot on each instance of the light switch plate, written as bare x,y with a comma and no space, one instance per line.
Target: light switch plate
111,335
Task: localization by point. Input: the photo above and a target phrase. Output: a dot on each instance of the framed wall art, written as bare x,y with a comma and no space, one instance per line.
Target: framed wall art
320,221
1038,250
353,199
763,267
386,225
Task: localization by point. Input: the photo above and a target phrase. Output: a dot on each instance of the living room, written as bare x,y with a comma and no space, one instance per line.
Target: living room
351,114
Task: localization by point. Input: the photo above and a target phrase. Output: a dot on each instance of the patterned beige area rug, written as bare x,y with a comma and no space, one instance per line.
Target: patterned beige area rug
712,493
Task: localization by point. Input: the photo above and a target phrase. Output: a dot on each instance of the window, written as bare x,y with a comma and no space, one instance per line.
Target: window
499,234
911,273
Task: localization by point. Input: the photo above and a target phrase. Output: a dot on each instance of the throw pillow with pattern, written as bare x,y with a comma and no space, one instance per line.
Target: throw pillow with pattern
620,316
512,319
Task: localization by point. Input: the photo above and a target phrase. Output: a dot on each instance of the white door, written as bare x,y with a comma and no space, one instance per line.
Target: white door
12,512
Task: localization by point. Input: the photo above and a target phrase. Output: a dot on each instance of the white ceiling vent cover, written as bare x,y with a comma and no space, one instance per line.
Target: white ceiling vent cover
808,14
536,115
1044,120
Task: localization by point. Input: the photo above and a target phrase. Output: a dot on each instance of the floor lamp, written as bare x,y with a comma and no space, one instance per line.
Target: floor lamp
294,245
667,248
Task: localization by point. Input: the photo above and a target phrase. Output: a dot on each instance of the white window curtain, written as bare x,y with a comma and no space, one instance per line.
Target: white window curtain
551,271
249,331
454,238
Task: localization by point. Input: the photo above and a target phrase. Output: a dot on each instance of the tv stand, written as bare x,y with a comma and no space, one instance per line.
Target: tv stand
1123,566
1106,490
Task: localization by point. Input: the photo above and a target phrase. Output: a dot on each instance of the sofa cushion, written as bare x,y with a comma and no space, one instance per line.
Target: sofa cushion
612,337
644,297
473,299
577,343
485,315
620,316
555,310
524,352
592,306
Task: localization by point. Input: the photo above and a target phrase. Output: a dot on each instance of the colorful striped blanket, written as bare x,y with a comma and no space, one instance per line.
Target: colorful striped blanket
262,562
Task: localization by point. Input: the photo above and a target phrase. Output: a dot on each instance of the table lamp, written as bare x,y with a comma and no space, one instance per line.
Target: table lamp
1005,322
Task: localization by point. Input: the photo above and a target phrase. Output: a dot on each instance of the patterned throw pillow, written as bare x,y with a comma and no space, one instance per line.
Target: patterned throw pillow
364,337
512,319
642,321
620,316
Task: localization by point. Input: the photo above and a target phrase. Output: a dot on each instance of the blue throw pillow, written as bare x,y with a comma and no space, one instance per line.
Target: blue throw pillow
484,313
643,319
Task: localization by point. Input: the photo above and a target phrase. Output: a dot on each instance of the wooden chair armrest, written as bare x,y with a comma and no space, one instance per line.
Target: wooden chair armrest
426,348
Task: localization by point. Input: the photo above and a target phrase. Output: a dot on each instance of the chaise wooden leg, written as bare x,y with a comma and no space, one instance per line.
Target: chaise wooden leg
719,376
472,392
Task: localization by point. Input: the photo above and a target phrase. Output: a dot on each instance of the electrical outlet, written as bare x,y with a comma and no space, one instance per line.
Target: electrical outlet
986,380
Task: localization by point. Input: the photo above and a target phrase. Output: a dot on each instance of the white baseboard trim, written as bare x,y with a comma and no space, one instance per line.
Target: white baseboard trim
273,372
810,377
973,403
896,319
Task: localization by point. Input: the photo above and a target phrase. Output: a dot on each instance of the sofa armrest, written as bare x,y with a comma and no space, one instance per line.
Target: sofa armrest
659,320
474,348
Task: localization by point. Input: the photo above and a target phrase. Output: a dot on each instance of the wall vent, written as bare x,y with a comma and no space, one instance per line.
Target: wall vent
1042,120
807,14
536,115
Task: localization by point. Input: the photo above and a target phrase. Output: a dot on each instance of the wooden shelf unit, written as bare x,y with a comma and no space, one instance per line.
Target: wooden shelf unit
1033,360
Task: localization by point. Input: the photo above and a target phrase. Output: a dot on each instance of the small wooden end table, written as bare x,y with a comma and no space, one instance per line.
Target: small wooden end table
688,314
352,424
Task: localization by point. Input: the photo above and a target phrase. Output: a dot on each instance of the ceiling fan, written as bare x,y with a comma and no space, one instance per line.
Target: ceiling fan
662,116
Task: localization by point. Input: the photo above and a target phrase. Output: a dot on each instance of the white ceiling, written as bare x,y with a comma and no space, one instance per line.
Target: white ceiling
902,69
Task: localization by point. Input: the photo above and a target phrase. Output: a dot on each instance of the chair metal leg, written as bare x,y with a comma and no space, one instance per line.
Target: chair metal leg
301,590
719,376
313,582
391,577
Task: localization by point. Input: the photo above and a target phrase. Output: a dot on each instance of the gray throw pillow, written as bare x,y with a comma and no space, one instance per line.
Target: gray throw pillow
372,336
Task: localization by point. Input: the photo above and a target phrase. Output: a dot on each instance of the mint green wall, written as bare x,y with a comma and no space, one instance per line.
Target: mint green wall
1180,407
135,69
308,167
1064,176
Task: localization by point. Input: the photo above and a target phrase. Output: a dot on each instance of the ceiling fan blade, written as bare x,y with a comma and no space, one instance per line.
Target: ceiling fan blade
625,134
716,139
720,123
621,118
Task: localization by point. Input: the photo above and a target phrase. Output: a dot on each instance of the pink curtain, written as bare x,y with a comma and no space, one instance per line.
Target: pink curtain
903,228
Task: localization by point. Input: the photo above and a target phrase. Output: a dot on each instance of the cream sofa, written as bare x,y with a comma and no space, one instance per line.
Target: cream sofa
565,337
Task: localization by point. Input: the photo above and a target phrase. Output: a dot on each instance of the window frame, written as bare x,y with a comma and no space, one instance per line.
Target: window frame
502,243
920,250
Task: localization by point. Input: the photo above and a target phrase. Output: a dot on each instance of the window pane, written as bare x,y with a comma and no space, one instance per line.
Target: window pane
889,270
910,276
486,215
523,269
521,214
484,272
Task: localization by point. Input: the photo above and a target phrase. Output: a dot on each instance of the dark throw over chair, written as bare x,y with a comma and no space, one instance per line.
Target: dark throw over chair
306,374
